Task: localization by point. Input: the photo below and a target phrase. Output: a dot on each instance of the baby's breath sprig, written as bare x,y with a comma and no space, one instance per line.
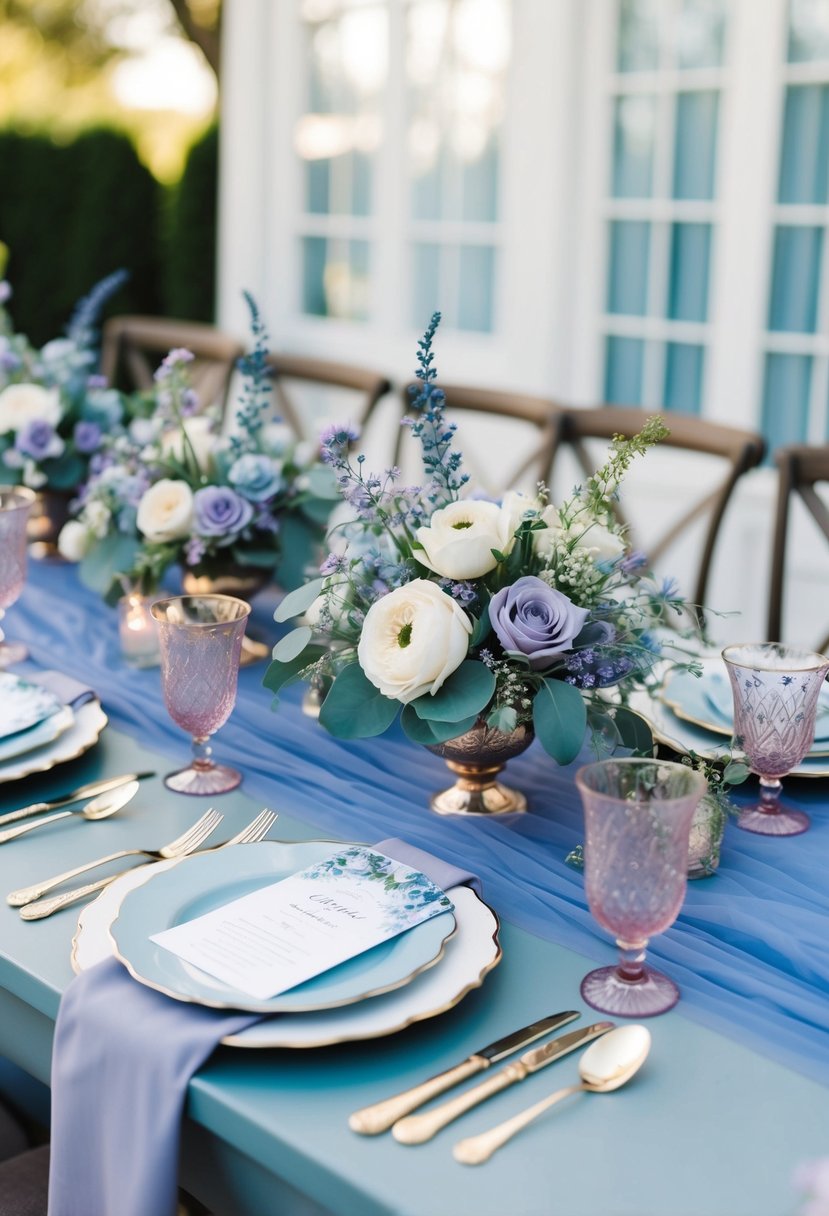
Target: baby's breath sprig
595,497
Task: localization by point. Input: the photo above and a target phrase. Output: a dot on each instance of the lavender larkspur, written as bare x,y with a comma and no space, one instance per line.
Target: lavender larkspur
449,609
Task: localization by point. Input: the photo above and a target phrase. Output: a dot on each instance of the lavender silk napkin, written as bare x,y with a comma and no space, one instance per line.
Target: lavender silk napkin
67,689
122,1061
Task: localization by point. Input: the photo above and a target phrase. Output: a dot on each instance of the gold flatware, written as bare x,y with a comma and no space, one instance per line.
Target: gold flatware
605,1066
417,1129
84,791
372,1120
102,807
255,831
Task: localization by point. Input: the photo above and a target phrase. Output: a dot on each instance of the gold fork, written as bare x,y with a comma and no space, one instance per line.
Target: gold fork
255,831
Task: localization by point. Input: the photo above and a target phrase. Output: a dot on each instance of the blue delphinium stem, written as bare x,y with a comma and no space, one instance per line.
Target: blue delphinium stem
441,463
83,324
255,397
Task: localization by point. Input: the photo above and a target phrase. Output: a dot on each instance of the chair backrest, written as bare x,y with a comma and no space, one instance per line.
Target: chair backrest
737,452
368,385
132,348
496,454
800,469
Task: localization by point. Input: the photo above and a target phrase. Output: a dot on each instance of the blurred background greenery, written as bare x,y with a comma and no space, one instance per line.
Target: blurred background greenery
108,155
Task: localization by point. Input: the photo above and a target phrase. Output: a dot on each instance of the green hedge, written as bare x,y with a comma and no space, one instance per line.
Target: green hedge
72,213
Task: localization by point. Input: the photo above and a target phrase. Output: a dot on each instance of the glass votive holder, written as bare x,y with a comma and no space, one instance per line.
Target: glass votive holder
138,631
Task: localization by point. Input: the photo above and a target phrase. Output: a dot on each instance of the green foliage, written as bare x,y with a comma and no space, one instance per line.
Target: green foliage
354,709
70,215
190,265
560,720
468,690
279,674
431,733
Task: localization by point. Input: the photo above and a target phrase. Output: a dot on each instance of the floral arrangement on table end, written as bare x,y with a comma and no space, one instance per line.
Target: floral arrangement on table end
54,411
173,491
477,616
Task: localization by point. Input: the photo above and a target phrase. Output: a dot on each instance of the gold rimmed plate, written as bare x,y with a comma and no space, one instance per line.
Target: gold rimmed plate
80,734
471,953
210,880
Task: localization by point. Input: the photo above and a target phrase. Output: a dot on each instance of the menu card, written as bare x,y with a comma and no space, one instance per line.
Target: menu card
286,933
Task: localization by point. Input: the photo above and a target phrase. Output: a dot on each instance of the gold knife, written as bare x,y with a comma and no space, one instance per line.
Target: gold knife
85,791
378,1118
419,1128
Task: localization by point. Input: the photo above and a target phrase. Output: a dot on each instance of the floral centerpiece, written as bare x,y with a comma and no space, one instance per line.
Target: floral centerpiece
480,623
172,491
54,409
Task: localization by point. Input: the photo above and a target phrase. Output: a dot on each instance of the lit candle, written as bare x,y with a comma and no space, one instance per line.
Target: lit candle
137,631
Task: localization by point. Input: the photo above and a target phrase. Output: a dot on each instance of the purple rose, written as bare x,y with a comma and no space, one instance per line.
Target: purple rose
221,512
535,620
87,436
38,440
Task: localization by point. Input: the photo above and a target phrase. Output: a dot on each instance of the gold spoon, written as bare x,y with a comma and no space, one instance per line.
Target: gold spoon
102,807
606,1065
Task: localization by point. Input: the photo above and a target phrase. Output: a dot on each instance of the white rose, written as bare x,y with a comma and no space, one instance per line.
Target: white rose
73,541
605,545
412,640
459,540
202,440
24,403
165,511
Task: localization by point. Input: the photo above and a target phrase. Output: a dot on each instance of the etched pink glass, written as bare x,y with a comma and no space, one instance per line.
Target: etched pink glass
15,504
776,690
638,816
200,639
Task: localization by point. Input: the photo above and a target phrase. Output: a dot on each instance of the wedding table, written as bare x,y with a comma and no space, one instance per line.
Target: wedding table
735,1093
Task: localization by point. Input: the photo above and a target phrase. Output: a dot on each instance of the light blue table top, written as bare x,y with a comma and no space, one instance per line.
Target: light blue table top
709,1128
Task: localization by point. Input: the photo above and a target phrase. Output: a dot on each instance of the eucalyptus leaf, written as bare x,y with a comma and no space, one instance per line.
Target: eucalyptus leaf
505,719
634,731
431,733
299,540
322,484
735,772
281,673
65,473
293,644
263,559
354,709
317,510
468,690
298,601
560,720
114,555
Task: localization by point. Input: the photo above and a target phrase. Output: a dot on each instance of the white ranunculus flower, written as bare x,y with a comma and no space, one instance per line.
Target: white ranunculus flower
24,403
605,545
459,540
412,640
165,511
516,504
202,440
74,541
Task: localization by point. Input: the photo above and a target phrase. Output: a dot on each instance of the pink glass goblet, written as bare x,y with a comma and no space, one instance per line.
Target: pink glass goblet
200,639
15,504
776,690
638,821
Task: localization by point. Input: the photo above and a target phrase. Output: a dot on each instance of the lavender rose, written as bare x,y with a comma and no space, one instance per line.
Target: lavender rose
38,440
221,512
87,436
535,620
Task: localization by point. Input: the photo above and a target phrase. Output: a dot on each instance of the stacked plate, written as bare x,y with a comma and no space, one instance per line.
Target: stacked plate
38,731
416,975
696,713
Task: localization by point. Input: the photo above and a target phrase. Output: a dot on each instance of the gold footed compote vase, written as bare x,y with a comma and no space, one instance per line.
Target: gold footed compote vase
243,582
49,513
477,757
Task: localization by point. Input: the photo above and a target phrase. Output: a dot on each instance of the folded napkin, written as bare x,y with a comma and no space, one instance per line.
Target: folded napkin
67,689
122,1060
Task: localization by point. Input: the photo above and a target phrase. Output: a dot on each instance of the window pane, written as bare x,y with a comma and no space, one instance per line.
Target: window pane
805,156
700,33
633,143
628,281
808,30
696,144
638,35
335,278
795,278
690,255
623,370
477,272
786,399
683,377
426,283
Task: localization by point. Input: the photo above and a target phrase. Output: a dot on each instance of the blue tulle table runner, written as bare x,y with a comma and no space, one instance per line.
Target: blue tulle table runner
750,950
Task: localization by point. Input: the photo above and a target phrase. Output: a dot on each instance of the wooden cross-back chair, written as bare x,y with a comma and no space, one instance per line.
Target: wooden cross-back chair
133,346
368,383
503,470
800,469
738,450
